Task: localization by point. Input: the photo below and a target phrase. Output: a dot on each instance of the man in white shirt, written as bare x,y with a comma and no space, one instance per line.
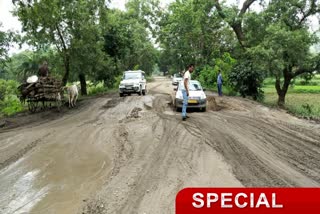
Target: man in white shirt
185,90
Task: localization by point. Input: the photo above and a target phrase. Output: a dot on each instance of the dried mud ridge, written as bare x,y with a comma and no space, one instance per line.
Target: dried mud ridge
21,152
133,154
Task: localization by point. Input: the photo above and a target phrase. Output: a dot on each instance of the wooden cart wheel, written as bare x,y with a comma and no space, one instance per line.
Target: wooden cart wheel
59,104
58,100
44,105
29,106
33,105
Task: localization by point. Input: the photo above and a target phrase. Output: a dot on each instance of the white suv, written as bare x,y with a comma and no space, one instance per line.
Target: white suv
176,79
133,82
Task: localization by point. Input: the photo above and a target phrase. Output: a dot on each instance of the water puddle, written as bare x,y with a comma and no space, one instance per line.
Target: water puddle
57,176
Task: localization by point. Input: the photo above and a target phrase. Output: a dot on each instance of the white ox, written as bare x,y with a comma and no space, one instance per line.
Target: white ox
72,95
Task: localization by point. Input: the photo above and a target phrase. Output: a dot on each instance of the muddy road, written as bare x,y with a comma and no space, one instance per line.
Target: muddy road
133,154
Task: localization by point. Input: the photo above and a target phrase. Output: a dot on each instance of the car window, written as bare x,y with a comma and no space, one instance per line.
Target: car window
128,76
177,75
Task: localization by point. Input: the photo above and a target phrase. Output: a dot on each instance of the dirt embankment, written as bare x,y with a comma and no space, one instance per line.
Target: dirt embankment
133,154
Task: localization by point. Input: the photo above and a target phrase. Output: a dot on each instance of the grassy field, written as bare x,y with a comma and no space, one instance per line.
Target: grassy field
302,99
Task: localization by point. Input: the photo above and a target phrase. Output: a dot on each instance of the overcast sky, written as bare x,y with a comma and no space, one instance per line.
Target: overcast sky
6,18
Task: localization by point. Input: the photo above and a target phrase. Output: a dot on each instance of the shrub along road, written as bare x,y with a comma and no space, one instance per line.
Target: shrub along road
133,154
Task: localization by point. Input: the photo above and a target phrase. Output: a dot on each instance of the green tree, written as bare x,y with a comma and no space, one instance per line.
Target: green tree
208,75
58,23
276,40
86,48
287,42
26,63
127,42
5,40
190,32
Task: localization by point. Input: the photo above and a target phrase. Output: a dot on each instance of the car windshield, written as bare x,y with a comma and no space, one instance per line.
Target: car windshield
177,76
128,76
194,86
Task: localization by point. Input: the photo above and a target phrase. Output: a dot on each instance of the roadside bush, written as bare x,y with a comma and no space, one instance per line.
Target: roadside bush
208,74
150,79
10,106
9,102
306,78
247,80
117,81
97,88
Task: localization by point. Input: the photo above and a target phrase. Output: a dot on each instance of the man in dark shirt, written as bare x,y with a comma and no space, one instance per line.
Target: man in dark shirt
43,70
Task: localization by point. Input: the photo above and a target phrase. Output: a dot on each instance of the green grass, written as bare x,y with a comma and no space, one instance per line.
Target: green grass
312,89
315,81
300,104
301,100
306,89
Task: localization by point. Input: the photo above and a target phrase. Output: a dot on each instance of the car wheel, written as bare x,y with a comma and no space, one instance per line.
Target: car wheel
204,109
129,94
140,91
121,94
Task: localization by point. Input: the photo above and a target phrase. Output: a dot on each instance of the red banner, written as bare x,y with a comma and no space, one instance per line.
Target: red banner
248,200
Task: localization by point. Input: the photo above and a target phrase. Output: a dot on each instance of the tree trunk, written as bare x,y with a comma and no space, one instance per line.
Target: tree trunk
67,70
83,84
66,56
237,28
281,99
282,92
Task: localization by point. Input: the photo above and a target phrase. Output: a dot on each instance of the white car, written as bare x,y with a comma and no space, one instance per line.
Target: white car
197,98
133,82
176,79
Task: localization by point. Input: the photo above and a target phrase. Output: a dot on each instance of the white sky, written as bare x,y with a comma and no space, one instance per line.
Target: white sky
6,18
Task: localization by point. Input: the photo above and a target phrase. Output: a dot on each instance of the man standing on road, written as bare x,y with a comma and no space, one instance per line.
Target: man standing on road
185,90
219,82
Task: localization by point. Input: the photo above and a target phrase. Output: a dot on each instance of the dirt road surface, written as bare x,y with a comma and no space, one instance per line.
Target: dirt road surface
133,154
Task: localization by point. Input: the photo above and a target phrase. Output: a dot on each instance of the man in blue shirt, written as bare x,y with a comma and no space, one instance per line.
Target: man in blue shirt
219,82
